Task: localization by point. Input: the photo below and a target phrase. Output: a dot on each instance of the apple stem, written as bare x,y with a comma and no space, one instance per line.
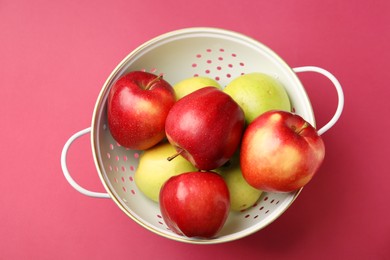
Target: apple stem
305,125
150,84
170,158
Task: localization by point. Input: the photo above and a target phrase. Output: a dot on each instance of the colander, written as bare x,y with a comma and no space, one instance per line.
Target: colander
212,52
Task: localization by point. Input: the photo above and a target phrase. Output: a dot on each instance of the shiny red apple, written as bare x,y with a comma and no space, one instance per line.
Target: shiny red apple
195,204
138,104
205,127
280,152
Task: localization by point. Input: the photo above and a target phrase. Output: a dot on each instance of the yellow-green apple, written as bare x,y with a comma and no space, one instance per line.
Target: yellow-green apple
189,85
257,93
195,204
205,127
280,152
154,169
242,195
138,104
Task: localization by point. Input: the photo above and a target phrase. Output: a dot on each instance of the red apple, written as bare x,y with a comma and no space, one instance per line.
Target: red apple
205,127
195,204
138,104
280,152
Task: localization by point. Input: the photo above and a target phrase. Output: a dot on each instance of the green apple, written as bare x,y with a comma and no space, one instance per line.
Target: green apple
189,85
242,195
257,93
154,169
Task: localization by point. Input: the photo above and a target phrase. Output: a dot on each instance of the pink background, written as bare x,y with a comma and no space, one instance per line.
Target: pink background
54,59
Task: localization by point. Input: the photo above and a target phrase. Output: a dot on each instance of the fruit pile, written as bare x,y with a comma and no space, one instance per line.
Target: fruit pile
209,150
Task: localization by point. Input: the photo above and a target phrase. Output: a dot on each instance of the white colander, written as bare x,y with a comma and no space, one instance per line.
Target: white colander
216,53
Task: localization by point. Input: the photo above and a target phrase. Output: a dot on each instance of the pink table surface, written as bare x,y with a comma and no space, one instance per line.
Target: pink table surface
54,59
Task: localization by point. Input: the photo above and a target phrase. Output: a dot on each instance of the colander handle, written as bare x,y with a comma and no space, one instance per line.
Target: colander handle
339,90
69,178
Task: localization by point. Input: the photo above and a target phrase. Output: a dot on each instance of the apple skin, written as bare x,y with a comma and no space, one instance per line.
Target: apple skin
138,104
189,85
280,152
154,169
242,195
257,93
195,204
205,127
